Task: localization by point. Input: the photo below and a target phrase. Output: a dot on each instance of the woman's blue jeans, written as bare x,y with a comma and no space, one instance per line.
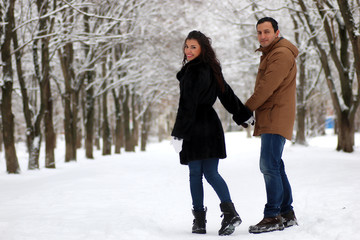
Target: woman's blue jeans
278,189
208,168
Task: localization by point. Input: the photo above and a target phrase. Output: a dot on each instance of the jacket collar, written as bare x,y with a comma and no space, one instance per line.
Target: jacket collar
188,65
193,62
266,50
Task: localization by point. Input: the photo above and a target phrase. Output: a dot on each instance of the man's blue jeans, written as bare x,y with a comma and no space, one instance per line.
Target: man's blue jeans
208,168
278,189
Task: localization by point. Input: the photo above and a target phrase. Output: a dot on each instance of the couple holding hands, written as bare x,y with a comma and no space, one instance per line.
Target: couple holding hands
199,138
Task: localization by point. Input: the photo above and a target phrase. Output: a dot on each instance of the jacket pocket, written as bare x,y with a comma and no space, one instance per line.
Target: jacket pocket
264,116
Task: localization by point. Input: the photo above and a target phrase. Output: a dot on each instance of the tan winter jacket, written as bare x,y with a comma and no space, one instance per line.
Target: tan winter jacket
274,94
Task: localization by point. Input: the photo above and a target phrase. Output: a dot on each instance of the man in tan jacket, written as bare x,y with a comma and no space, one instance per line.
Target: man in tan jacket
273,101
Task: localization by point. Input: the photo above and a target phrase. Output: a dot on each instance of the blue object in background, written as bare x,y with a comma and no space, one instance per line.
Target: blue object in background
330,122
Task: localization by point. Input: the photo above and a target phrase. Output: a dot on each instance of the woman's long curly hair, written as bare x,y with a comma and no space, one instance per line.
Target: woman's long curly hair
207,55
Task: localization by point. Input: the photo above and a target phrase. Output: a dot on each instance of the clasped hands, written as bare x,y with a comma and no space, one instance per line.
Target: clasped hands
250,121
240,118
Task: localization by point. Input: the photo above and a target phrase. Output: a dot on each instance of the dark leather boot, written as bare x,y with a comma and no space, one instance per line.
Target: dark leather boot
231,219
199,223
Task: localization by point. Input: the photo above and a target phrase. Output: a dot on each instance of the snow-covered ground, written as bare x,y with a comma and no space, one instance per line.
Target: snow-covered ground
145,195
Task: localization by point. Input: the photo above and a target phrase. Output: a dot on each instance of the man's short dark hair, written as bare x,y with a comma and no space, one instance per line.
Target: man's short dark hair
271,20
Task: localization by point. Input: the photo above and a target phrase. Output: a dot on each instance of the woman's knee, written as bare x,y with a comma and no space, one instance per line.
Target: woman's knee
195,175
212,176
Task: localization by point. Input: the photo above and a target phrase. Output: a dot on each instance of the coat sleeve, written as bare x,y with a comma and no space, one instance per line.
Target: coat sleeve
276,71
191,87
234,105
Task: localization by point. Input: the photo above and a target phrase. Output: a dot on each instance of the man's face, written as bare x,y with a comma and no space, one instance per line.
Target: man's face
266,33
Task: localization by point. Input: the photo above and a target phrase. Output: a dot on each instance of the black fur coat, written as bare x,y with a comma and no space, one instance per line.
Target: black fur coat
197,123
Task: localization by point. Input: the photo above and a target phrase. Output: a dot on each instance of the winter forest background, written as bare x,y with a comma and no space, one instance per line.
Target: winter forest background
101,74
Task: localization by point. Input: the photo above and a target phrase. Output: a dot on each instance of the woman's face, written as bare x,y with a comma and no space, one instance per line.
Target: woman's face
192,49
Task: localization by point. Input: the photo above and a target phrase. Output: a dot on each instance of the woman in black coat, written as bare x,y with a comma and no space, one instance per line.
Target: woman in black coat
198,131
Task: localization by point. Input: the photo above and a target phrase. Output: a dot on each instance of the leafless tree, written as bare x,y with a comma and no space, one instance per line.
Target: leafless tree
336,57
6,18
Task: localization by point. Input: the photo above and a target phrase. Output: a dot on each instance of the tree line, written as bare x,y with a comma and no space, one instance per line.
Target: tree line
76,55
101,73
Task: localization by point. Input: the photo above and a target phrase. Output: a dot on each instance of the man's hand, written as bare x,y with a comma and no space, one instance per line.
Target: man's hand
250,121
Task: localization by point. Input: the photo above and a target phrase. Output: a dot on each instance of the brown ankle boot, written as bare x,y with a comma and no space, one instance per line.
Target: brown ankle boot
289,219
268,224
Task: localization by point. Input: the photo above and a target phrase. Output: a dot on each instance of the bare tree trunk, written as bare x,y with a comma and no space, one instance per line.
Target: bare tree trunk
346,134
70,97
119,136
89,121
46,98
75,120
35,137
119,124
66,60
321,120
77,106
347,128
301,103
135,129
105,126
300,91
48,122
28,114
12,164
129,143
90,101
145,128
79,135
98,126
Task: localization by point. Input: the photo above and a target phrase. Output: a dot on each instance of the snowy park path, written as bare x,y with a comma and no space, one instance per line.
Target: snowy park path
145,195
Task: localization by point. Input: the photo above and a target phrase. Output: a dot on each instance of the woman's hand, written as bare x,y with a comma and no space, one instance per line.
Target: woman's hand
177,144
250,121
